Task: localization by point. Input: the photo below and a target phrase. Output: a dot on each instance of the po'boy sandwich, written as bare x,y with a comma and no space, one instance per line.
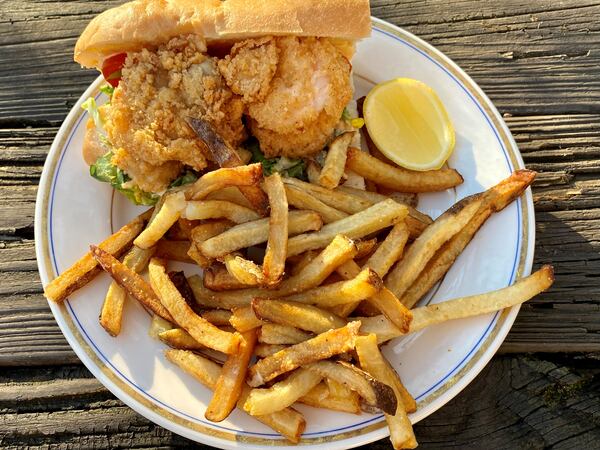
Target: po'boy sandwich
273,77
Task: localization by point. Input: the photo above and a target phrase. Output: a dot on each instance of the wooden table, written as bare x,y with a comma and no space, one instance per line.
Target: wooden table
539,63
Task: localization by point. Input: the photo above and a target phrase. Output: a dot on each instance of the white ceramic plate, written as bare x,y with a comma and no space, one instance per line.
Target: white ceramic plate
73,210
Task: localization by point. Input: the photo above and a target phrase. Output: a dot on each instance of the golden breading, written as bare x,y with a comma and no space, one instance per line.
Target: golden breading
250,67
146,122
305,98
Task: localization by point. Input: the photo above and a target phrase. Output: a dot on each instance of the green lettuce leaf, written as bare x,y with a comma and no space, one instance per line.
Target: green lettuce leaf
187,178
288,167
103,170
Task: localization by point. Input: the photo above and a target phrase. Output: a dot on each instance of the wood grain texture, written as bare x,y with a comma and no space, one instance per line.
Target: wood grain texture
538,62
515,403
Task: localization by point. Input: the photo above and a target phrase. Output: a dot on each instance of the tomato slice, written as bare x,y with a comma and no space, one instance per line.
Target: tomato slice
111,68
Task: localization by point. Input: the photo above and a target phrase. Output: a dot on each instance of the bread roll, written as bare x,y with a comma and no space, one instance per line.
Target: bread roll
148,23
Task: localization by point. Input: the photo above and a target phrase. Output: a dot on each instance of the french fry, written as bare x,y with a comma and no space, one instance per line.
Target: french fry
111,315
365,247
313,171
520,292
201,330
323,346
303,200
158,325
389,251
244,319
494,199
335,198
217,278
185,228
181,339
288,422
364,285
218,317
173,250
218,209
196,256
231,380
264,350
335,162
276,334
281,394
303,260
183,287
401,433
384,300
133,284
230,194
228,176
244,271
374,392
321,397
298,315
425,246
523,290
164,219
257,232
220,300
206,230
399,179
226,156
86,268
275,255
372,219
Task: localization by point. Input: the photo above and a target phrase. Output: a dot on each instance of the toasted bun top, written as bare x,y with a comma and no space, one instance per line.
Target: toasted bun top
147,23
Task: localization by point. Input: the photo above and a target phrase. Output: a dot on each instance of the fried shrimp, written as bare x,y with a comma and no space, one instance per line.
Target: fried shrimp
146,121
295,90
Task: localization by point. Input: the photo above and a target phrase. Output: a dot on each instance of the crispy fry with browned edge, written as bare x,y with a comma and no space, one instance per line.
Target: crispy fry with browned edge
86,268
245,271
365,247
389,251
289,422
228,176
181,284
276,253
372,219
523,290
218,317
425,246
134,284
335,161
303,200
179,338
371,360
217,278
336,198
374,392
226,156
281,394
323,346
384,300
257,232
231,380
494,199
111,315
230,194
198,257
264,350
294,314
321,397
167,215
313,171
244,319
173,250
218,209
364,285
276,334
224,299
201,330
402,180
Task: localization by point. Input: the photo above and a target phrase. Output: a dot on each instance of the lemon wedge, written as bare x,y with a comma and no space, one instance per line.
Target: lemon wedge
409,124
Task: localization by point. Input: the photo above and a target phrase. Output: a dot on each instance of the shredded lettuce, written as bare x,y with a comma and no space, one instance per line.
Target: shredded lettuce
346,116
187,178
293,168
108,90
92,109
103,170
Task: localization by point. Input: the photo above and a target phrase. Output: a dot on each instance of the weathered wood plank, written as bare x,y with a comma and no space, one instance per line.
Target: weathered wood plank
515,403
529,57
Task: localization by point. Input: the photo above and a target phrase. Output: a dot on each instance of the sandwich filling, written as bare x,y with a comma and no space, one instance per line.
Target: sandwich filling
287,92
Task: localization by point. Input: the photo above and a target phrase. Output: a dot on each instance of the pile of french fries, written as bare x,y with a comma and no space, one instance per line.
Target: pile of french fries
302,281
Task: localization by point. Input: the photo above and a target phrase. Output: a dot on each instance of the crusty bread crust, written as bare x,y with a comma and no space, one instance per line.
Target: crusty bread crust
147,23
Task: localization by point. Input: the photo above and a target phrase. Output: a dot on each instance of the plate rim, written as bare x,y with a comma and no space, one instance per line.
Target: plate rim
360,436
